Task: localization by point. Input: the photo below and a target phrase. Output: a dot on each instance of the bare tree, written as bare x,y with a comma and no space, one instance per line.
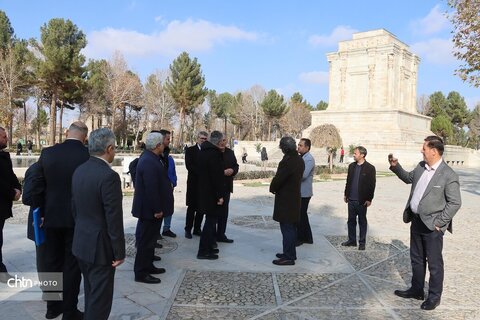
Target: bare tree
326,136
159,104
423,104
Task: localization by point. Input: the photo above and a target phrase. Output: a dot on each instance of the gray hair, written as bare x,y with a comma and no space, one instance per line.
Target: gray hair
99,141
153,140
287,144
362,150
216,137
202,134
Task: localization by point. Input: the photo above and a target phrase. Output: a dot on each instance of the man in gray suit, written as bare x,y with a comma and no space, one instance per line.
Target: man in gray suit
98,240
304,232
434,200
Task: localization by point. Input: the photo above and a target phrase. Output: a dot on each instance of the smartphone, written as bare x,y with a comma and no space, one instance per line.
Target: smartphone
390,157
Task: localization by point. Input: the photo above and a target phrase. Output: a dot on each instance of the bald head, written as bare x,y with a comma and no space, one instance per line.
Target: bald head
77,130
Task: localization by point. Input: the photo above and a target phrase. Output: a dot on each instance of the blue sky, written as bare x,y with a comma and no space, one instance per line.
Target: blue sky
277,44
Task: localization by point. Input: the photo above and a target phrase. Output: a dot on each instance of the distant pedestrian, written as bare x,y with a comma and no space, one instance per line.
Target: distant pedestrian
286,188
19,148
264,158
244,155
29,147
342,154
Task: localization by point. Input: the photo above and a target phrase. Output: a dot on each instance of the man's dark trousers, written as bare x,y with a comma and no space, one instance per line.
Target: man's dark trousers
100,278
2,266
146,237
304,232
207,239
289,235
426,245
59,258
194,219
222,219
355,209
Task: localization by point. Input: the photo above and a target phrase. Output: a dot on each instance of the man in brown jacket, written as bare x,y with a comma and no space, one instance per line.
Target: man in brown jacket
286,187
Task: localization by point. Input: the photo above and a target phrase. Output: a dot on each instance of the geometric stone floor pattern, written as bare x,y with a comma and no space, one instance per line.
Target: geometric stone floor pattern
366,293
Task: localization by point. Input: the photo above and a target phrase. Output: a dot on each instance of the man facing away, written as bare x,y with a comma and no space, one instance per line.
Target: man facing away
211,192
152,200
57,164
98,240
286,188
433,202
304,232
231,167
10,190
359,191
194,217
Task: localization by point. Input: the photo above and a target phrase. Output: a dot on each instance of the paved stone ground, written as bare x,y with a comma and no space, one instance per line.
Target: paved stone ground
328,281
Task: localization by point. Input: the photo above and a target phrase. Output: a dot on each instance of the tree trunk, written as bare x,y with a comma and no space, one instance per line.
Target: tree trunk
182,121
10,129
60,120
38,128
25,120
330,160
225,132
269,130
53,120
113,119
124,126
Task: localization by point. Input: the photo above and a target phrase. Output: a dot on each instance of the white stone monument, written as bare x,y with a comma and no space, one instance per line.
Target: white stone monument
372,96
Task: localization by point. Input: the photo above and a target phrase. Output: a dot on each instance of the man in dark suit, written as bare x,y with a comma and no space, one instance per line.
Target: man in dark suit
286,188
98,240
230,165
10,190
194,217
359,191
57,164
153,199
211,192
433,202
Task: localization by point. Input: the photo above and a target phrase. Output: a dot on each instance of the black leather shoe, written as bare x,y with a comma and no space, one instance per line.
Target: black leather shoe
214,251
52,314
282,256
430,304
349,243
188,235
410,293
147,279
156,270
76,315
361,246
157,258
225,240
207,256
197,232
158,245
283,262
169,233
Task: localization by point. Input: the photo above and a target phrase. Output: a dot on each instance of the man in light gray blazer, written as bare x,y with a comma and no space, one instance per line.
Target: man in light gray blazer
304,232
434,200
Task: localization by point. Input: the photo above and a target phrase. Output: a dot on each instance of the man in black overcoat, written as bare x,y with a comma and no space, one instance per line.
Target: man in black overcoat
194,217
211,192
230,166
98,240
286,187
57,164
10,190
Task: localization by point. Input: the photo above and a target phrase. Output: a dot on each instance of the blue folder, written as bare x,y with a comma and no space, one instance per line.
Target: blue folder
38,231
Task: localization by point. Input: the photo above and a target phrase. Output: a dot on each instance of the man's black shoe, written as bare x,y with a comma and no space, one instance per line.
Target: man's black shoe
225,240
214,251
147,279
282,256
283,262
169,233
409,293
156,270
361,246
430,304
207,256
156,258
349,244
52,314
158,245
77,315
188,235
197,232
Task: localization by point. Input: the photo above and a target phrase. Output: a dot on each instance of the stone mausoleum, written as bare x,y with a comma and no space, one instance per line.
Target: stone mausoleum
372,100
